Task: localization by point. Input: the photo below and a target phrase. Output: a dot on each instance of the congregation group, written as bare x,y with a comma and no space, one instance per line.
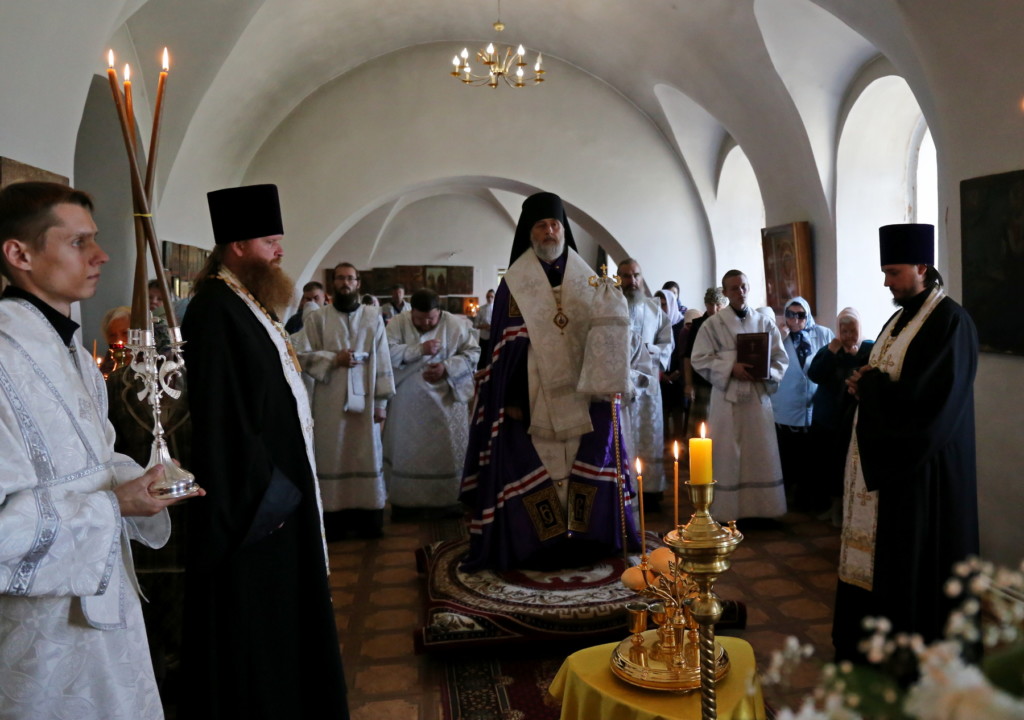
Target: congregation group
524,420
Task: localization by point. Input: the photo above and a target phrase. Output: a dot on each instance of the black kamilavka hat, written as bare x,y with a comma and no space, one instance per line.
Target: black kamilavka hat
906,244
244,213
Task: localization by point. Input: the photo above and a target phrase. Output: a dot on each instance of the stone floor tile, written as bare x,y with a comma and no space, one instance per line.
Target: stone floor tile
342,599
393,679
387,645
754,568
824,581
777,587
392,596
401,541
397,575
806,609
387,710
786,548
344,561
810,563
343,578
391,619
395,559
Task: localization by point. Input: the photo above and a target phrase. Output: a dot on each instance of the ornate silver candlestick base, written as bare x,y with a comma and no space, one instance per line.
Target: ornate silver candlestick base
157,374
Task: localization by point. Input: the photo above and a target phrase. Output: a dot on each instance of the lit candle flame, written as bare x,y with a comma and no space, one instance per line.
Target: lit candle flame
638,467
675,449
464,53
167,61
703,429
521,51
127,72
537,66
490,48
110,58
455,61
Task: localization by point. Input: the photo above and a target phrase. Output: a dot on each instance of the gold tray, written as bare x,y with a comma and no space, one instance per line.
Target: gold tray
647,666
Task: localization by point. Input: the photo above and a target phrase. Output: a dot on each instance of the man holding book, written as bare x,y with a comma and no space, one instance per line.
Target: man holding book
740,353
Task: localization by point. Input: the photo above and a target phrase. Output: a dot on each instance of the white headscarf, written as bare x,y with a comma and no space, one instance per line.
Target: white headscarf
849,312
674,316
807,309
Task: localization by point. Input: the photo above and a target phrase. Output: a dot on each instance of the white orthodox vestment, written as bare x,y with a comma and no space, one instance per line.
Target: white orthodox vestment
745,452
427,429
651,345
72,639
346,439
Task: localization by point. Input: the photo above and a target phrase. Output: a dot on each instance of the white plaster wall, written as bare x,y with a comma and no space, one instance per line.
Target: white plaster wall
379,131
49,53
736,220
445,229
871,192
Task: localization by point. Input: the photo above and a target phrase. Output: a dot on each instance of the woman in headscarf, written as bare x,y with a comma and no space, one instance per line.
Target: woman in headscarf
832,418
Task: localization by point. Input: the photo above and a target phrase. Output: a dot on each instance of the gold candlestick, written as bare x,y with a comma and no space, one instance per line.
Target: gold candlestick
704,549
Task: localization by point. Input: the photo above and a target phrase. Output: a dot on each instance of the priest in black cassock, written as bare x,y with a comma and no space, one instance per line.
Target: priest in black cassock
260,636
910,499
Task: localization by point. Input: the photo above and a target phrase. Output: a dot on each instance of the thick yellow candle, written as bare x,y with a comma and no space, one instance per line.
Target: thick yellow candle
700,459
675,486
640,493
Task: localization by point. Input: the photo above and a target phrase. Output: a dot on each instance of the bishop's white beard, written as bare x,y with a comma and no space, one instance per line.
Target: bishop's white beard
549,253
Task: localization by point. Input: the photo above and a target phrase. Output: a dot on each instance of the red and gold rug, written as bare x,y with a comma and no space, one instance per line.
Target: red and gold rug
573,608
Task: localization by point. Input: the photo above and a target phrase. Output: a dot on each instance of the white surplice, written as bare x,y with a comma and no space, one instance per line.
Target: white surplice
427,428
745,452
346,440
651,346
72,639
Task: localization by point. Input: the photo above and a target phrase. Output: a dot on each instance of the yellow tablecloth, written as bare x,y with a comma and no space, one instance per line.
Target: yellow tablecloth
589,690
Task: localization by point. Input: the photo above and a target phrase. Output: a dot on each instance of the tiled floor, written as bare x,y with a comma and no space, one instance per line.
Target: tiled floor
785,574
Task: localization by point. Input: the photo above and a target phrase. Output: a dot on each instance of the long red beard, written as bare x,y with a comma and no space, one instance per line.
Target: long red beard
268,283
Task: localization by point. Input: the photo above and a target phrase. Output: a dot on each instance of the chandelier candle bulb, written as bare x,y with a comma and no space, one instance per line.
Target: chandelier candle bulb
700,458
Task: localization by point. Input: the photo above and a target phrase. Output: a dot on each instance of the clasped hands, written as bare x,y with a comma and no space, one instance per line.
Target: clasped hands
853,382
346,358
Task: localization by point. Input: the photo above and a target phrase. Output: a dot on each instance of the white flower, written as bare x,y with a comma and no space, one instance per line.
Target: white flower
950,690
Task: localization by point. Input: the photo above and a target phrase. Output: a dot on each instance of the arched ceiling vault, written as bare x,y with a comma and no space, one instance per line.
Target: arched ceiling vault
243,66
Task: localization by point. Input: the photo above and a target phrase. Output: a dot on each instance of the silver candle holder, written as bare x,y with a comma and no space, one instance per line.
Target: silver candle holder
157,374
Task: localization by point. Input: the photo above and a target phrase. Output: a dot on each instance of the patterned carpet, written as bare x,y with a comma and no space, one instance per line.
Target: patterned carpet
505,688
582,605
570,608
